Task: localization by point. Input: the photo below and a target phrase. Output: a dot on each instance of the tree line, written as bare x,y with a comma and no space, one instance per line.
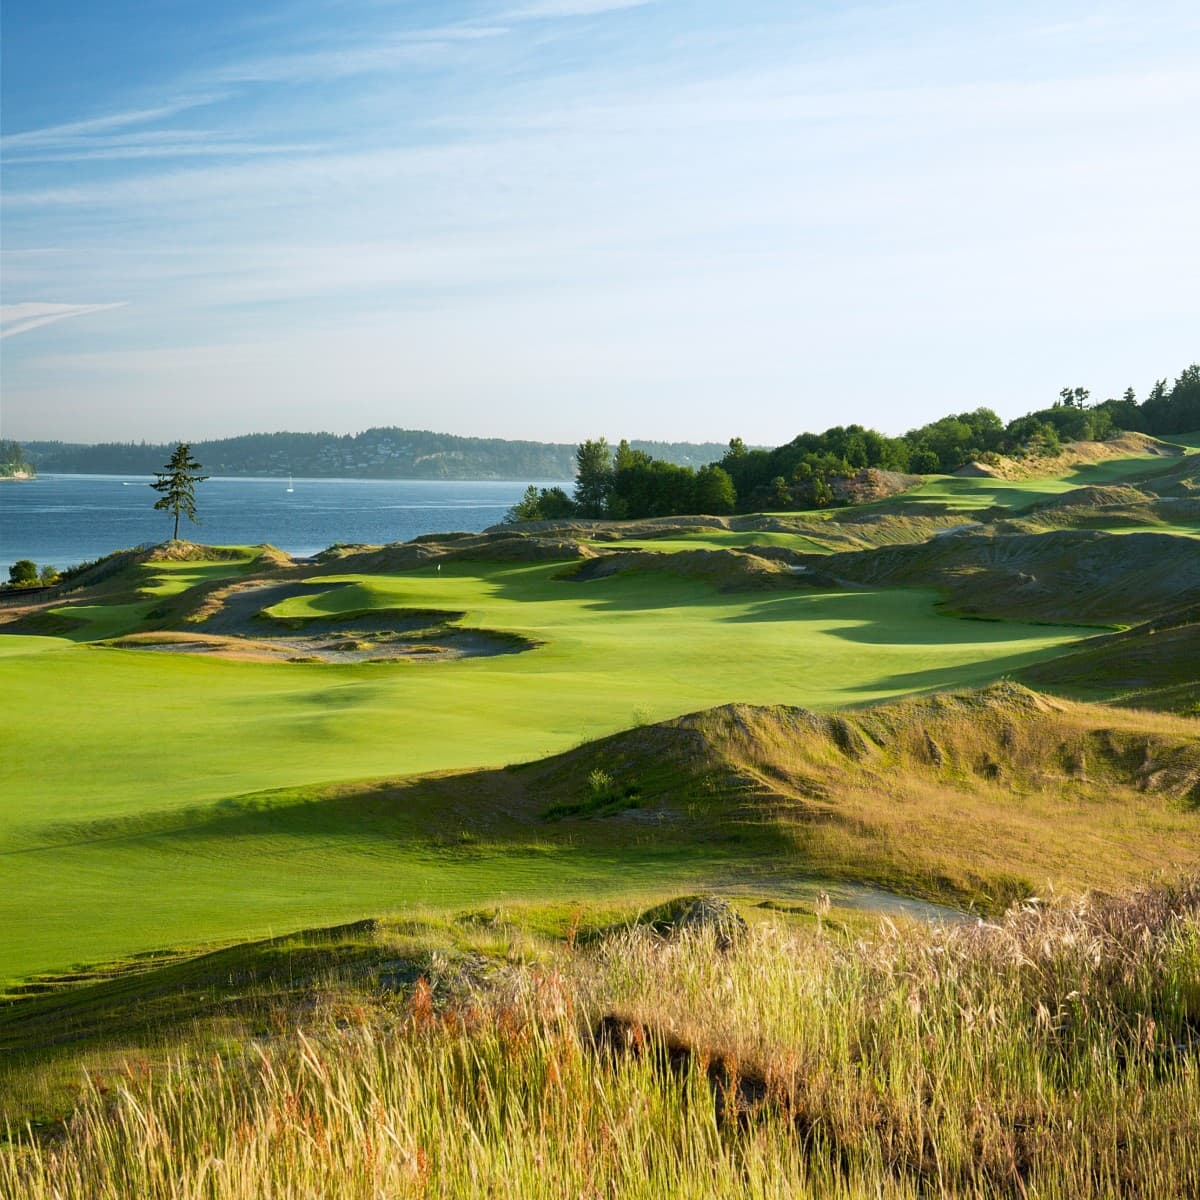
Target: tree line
378,453
630,483
13,460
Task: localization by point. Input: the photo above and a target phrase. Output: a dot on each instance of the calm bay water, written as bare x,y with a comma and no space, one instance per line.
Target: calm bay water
67,519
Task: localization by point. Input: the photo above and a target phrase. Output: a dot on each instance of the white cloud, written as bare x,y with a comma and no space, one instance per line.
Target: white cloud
364,57
553,217
550,9
170,146
21,318
72,131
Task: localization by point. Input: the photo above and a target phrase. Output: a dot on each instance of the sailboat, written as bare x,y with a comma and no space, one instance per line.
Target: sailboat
290,488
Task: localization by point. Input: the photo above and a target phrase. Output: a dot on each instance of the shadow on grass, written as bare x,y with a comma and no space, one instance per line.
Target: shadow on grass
859,618
464,815
937,679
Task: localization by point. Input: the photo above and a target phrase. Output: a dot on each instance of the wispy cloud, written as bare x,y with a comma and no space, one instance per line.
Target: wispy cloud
164,146
570,8
539,199
21,318
365,56
52,135
416,47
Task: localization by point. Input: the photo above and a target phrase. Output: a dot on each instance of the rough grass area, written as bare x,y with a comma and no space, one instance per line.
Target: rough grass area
1153,665
1056,1054
1064,575
61,1029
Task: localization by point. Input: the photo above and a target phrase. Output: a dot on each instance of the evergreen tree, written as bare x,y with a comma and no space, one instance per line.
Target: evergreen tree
177,483
525,509
593,479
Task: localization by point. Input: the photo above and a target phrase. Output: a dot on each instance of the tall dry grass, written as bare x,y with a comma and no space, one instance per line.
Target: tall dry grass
1054,1054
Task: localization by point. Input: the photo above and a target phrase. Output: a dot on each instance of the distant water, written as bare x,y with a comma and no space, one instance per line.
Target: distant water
67,519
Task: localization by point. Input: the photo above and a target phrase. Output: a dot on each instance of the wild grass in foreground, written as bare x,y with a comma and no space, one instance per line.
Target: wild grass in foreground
1055,1054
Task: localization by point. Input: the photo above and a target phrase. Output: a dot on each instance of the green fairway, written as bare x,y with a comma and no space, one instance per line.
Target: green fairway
102,745
1189,441
1178,530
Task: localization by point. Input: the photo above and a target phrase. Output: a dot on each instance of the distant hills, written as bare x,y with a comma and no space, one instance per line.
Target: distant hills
381,453
798,474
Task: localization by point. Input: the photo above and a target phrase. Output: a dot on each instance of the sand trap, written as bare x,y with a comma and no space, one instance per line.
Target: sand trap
236,627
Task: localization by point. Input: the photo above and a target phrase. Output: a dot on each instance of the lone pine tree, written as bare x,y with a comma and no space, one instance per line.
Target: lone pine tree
177,482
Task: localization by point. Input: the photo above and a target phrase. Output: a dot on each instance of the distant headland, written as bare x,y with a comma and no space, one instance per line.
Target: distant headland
379,453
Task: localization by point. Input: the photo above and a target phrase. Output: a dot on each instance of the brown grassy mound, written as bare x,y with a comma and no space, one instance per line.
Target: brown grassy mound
1178,481
727,570
1153,665
1071,576
871,484
639,527
976,795
181,551
502,545
1094,497
1072,455
979,797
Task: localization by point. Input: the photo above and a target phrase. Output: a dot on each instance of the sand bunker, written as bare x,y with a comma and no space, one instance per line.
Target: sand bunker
236,626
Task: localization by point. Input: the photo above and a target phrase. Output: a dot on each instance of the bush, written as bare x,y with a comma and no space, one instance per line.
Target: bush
23,573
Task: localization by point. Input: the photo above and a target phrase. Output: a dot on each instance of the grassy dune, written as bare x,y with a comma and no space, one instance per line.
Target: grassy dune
1053,1055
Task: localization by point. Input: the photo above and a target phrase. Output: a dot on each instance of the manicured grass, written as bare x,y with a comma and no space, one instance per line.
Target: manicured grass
1189,441
155,732
170,578
144,588
1189,531
164,730
99,902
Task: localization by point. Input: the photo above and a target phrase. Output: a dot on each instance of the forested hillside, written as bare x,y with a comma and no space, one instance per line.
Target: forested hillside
382,453
850,464
800,473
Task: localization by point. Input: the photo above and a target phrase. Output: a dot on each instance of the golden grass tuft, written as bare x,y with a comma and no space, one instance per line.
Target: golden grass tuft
1053,1054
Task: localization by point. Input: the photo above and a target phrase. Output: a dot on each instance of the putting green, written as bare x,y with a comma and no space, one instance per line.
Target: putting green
98,741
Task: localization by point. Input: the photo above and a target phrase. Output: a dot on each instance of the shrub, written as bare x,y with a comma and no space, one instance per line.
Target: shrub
23,573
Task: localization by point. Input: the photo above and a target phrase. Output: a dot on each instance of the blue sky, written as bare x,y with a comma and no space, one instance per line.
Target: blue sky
564,218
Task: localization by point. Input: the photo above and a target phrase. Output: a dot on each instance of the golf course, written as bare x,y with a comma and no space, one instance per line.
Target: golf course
161,741
202,757
235,782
